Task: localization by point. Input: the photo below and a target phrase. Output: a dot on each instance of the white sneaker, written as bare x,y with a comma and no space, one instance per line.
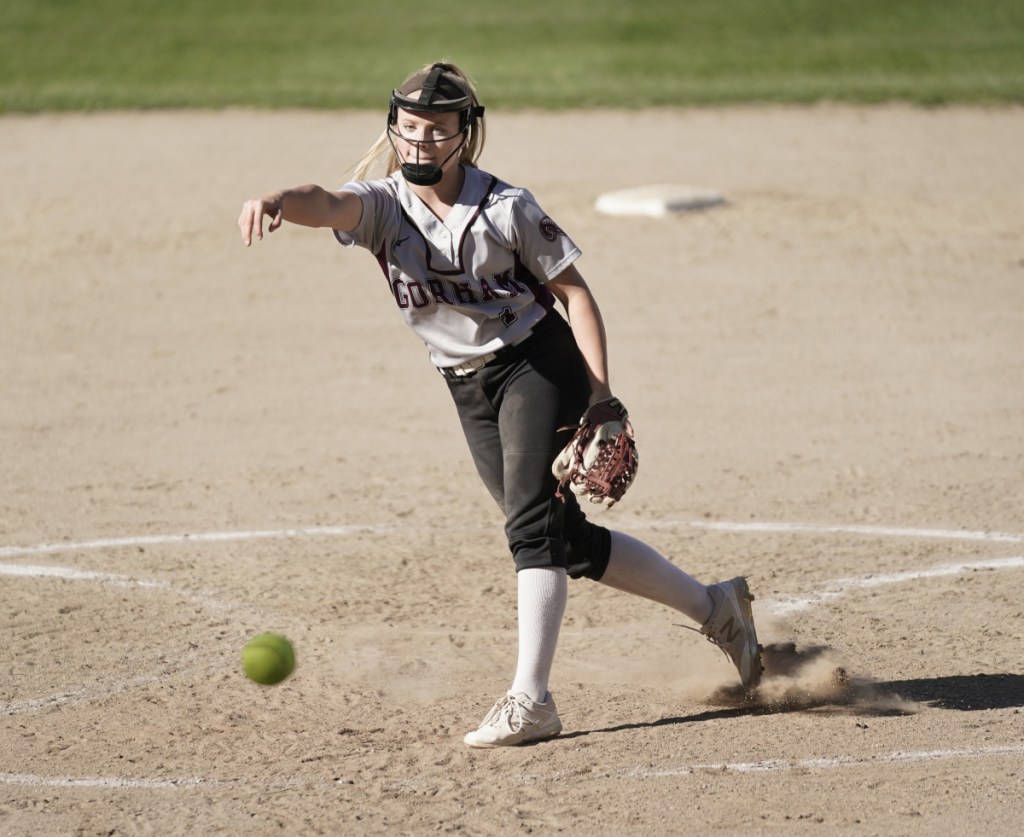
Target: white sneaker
515,719
731,628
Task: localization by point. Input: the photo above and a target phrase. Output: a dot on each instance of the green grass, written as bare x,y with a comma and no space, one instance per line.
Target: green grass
92,54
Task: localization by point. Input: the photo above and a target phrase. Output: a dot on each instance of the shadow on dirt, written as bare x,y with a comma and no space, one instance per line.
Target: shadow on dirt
966,692
810,679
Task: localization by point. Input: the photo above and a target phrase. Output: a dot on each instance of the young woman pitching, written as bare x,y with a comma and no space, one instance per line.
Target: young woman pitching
478,271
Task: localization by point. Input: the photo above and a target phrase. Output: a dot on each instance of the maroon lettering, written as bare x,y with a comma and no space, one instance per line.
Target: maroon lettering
508,284
423,293
400,296
437,289
464,293
417,295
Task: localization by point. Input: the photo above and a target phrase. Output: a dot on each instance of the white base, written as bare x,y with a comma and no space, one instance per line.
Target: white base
657,201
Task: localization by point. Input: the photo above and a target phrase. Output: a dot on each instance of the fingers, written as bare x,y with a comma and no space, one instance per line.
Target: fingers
250,222
251,217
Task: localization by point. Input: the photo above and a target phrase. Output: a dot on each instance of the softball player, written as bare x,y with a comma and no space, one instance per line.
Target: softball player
476,268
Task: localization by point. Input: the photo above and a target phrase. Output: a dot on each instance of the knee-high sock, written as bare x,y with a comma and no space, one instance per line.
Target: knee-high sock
542,595
643,571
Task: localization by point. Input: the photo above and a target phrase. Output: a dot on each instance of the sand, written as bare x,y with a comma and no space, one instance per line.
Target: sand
200,442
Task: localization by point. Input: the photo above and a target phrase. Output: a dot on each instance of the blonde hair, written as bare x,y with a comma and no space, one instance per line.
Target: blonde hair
380,160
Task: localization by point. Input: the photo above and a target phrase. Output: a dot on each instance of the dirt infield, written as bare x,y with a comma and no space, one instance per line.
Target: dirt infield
199,442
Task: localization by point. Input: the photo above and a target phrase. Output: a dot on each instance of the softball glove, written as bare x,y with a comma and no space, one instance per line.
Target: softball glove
600,461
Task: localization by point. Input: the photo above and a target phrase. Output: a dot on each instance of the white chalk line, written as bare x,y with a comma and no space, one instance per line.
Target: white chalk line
94,692
347,530
52,701
200,537
115,580
39,571
838,587
751,767
779,606
31,780
841,586
824,763
840,529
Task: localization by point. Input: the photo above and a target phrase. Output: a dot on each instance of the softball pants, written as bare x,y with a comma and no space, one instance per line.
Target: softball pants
511,411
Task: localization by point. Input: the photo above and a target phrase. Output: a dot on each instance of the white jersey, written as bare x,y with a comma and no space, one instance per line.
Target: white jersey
473,283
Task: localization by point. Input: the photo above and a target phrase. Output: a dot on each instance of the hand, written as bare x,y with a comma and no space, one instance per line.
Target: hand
251,219
600,461
584,448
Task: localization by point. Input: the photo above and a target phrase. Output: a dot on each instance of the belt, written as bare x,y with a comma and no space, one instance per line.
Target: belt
471,367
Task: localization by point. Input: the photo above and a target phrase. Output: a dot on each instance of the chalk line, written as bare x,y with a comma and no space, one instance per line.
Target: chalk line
31,780
767,527
823,763
778,606
204,599
837,588
751,767
841,586
199,537
28,570
94,691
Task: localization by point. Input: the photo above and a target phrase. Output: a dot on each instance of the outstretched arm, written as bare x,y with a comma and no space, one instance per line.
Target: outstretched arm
587,326
310,206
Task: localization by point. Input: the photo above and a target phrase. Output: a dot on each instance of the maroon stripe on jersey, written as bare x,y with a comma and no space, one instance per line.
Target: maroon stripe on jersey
479,209
459,269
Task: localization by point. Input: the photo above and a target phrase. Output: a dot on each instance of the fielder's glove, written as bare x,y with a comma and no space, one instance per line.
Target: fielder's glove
600,461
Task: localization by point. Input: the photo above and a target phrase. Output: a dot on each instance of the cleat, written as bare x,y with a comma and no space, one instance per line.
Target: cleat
731,628
515,719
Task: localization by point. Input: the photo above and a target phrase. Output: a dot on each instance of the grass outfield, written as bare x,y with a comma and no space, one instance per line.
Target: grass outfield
90,54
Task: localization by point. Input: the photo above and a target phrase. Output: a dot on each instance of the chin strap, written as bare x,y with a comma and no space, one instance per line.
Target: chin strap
424,174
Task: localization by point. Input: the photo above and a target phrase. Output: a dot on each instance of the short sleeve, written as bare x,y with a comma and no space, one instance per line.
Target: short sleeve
380,213
541,245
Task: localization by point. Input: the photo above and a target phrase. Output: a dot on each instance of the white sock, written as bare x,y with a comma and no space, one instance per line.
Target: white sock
542,595
638,569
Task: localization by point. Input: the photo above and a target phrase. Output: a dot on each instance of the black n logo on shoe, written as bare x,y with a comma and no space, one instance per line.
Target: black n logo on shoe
730,630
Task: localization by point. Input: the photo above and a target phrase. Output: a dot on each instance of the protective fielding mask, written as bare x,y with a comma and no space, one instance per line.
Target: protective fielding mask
440,91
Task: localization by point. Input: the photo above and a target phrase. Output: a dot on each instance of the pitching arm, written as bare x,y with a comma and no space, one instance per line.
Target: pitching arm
310,206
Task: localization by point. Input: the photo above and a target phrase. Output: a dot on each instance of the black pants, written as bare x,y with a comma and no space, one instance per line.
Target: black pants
511,412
